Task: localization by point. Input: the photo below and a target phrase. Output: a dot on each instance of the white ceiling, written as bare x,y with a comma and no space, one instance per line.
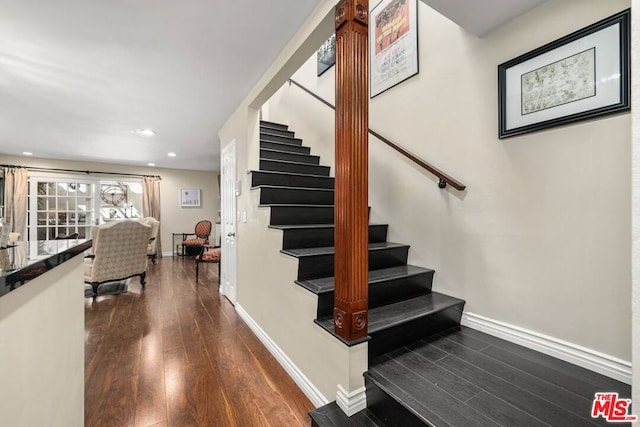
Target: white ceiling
78,77
481,16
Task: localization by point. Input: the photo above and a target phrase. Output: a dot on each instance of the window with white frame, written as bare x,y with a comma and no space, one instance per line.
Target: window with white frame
59,207
63,205
120,199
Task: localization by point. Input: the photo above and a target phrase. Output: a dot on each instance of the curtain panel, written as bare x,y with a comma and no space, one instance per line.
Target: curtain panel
151,203
15,198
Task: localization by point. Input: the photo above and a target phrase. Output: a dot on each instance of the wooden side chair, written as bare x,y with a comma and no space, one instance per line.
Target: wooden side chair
209,254
191,246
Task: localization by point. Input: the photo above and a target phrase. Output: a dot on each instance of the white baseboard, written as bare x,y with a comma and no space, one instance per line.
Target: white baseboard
351,402
308,388
587,358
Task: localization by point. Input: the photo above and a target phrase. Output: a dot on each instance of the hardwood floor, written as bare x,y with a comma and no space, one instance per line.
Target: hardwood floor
172,354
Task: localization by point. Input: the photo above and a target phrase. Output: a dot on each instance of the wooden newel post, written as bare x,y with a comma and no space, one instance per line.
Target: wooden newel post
351,183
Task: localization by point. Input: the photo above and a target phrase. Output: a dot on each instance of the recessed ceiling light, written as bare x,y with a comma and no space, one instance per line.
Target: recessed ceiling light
151,164
171,154
145,132
27,153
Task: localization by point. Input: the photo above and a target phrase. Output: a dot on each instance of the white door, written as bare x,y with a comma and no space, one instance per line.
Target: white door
228,260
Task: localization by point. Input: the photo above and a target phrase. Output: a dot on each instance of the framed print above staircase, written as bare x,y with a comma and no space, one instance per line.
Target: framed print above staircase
393,44
580,76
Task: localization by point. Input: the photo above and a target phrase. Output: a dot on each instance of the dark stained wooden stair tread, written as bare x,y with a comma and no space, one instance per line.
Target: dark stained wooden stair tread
298,236
272,154
326,284
328,250
277,194
290,175
273,131
289,166
285,146
303,226
286,187
396,314
279,138
270,124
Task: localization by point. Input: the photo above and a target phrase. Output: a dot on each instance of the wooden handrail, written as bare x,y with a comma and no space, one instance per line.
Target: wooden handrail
444,179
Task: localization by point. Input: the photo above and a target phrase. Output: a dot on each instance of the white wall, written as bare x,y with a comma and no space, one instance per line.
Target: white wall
265,278
635,210
174,218
541,237
42,350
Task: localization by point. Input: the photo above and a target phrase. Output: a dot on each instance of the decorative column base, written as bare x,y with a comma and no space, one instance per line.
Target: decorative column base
351,402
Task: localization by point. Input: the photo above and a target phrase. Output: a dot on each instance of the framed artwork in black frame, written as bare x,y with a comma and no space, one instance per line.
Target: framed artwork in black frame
327,55
577,77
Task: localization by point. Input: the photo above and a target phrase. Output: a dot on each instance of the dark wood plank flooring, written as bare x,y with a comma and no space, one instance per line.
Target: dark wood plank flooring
465,377
173,354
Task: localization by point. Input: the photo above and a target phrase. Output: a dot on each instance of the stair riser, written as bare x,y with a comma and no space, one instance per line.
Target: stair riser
313,238
400,289
278,138
387,409
381,293
314,267
389,339
259,178
296,215
274,131
272,125
268,165
278,196
285,147
290,157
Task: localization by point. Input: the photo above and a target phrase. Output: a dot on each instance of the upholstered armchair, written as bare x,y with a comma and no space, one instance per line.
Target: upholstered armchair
152,249
192,245
119,252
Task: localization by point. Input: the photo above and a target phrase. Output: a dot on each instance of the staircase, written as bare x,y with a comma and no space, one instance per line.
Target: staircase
424,368
402,306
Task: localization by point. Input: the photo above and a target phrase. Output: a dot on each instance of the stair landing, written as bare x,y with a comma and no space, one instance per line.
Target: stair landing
463,377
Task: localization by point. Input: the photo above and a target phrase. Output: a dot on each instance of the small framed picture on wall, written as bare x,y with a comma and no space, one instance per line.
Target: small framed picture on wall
190,197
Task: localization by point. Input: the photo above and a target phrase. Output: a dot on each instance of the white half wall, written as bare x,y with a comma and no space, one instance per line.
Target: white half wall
42,350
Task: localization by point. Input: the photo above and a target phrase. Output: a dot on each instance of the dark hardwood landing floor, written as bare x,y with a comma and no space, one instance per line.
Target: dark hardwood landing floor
172,354
467,378
463,378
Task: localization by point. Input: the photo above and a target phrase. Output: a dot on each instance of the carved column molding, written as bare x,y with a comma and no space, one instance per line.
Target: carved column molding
351,183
